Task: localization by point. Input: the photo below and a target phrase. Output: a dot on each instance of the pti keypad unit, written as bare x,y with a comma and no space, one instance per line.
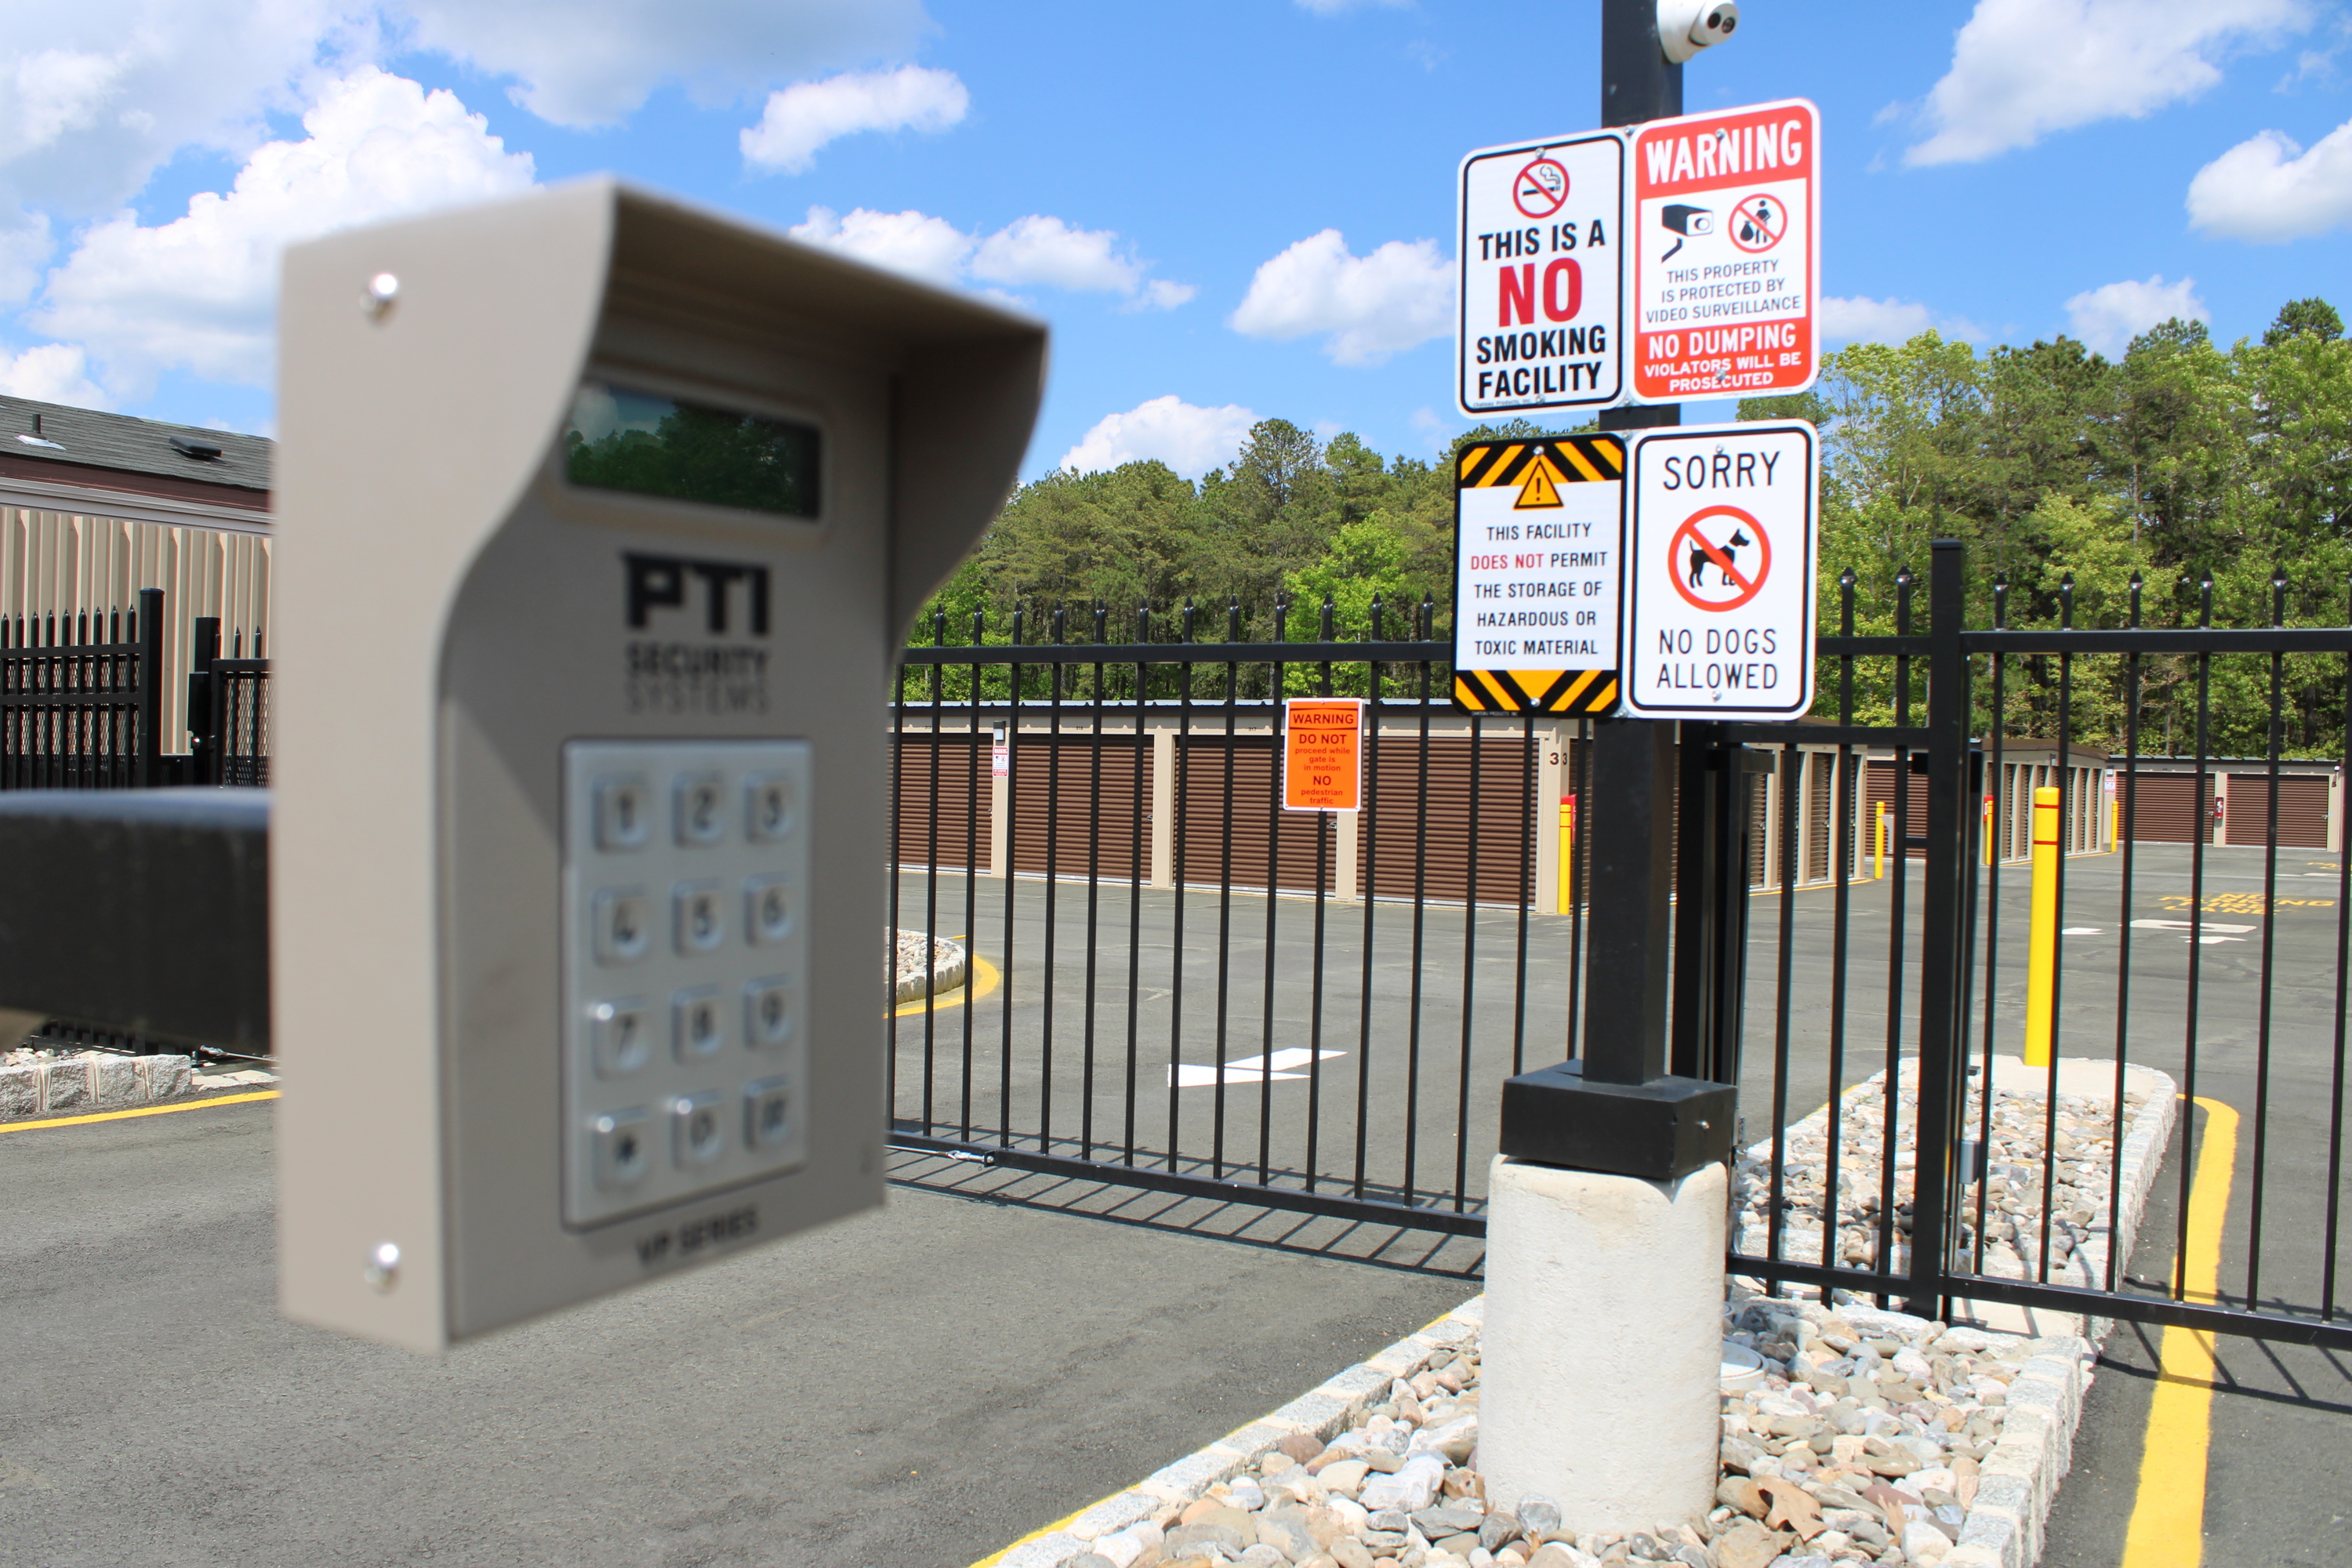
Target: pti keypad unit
686,868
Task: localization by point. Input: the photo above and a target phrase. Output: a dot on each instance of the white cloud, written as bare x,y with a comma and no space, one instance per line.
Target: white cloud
1435,434
593,66
1033,250
52,373
97,95
803,117
2108,318
196,293
2268,189
2021,68
1889,321
1188,438
1370,307
1047,250
914,243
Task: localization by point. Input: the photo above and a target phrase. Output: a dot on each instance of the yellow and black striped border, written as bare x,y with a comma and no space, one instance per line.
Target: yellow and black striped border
1575,459
1536,691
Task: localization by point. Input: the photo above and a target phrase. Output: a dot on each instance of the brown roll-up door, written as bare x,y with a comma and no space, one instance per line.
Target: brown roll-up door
2163,808
960,841
1088,833
1404,828
1242,806
1878,783
1820,816
2302,810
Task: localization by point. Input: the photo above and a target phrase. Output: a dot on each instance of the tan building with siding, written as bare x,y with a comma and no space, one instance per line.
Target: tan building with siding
95,506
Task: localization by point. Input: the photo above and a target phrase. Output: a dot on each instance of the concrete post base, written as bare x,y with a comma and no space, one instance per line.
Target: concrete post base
1603,1353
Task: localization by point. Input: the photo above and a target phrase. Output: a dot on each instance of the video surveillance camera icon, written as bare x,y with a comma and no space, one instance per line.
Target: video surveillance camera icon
1684,221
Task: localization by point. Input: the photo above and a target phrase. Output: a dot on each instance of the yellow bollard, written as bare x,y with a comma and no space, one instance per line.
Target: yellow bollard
1986,834
1567,854
2041,935
1878,864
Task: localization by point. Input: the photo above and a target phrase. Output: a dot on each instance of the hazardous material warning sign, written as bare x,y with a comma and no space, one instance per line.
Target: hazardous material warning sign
1322,753
1725,244
1542,283
1538,565
1719,584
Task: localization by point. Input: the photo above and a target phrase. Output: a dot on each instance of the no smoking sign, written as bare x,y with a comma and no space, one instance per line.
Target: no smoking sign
1719,598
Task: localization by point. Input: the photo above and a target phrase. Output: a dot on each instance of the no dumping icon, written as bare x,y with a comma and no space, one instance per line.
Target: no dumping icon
1720,558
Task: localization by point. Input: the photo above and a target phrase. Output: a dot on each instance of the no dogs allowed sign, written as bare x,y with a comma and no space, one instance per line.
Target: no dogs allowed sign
1719,582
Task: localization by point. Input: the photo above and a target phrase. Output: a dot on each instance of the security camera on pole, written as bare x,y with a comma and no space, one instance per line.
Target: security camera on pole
1608,1198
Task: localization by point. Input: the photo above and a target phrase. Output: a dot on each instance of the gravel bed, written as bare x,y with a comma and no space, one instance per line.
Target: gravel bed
2077,1226
1877,1462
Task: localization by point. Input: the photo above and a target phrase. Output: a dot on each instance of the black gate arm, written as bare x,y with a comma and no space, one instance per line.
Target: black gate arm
142,910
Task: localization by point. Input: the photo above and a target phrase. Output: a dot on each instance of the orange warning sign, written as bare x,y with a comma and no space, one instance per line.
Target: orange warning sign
1322,753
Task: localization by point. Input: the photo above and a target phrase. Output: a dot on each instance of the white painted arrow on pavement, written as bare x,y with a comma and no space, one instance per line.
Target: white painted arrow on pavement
1248,1070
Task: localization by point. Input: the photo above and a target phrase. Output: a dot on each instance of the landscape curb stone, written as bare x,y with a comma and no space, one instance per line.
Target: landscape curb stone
94,1081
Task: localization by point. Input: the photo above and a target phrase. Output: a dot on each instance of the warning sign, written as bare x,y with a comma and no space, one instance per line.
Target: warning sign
1720,601
1725,245
1322,753
1537,553
1542,284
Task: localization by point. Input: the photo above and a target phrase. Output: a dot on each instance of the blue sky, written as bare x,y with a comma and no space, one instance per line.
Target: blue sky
1226,209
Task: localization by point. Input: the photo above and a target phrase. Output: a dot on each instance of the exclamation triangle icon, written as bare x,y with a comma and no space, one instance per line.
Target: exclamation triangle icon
1537,488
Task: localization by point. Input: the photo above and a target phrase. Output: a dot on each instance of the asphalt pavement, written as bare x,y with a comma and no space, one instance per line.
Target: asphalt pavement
916,1387
993,1350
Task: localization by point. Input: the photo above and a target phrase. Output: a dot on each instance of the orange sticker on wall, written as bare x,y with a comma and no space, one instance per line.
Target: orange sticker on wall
1322,753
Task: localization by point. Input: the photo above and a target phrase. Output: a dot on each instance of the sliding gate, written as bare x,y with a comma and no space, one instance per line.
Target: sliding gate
1179,986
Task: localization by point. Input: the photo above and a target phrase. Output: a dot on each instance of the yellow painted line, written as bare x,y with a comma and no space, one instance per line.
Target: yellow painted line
994,1558
138,1110
970,991
2168,1521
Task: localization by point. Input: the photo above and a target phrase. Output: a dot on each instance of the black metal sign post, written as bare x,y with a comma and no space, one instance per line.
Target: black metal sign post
1617,1109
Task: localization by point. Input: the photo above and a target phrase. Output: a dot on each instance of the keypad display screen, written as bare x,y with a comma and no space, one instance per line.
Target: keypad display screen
686,867
649,444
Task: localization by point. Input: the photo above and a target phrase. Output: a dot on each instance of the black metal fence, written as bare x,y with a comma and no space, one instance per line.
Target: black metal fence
1235,1003
228,709
1315,1014
81,703
81,699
